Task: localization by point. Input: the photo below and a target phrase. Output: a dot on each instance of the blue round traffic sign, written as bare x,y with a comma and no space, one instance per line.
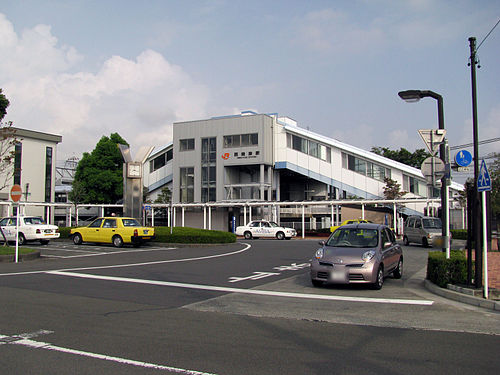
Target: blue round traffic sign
463,158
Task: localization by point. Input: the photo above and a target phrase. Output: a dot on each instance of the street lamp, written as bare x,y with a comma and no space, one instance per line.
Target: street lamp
412,96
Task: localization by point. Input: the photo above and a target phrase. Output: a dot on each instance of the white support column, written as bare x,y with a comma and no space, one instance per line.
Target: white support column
209,217
69,220
331,216
337,219
245,215
394,218
261,180
249,213
102,211
204,217
303,221
76,215
173,217
152,217
362,211
182,216
169,216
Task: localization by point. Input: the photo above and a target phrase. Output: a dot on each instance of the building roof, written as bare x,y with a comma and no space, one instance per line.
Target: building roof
24,133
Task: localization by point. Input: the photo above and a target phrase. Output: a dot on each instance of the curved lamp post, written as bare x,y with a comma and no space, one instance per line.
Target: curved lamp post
414,96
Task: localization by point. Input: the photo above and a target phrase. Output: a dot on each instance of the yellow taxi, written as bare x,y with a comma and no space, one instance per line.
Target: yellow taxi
114,230
354,221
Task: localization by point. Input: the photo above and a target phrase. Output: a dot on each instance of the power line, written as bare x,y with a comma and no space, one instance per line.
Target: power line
485,141
488,34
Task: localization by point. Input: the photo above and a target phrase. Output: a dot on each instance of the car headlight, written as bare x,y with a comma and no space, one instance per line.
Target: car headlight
319,254
368,255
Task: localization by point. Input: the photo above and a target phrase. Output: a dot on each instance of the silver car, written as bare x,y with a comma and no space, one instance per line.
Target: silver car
423,230
358,253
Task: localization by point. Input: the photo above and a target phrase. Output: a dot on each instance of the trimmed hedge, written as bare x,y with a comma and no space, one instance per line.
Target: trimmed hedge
459,234
181,235
192,235
442,271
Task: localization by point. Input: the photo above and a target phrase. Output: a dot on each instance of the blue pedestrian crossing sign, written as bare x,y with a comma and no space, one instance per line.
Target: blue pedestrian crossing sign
483,180
463,158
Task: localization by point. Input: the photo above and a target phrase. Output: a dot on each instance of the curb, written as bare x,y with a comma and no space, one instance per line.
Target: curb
460,297
21,257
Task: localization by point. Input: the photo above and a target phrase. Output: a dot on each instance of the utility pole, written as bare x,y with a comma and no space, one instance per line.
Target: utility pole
476,210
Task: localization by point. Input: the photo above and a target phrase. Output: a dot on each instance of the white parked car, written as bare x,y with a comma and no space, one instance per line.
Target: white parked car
264,228
31,228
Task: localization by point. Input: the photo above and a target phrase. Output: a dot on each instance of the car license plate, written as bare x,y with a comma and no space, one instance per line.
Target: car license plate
339,274
146,238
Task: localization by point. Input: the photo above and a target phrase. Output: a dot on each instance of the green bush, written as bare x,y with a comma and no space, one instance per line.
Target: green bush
64,231
459,234
192,235
442,271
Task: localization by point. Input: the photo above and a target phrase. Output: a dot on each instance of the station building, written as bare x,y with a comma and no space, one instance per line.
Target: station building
255,157
34,169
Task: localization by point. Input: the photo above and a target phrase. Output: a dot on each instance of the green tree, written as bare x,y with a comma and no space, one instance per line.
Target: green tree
402,155
494,170
165,196
392,190
4,103
100,173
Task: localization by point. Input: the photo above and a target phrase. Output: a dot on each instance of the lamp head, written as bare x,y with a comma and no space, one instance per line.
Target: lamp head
410,96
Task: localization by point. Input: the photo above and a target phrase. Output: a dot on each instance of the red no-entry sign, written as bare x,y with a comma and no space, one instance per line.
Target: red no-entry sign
15,193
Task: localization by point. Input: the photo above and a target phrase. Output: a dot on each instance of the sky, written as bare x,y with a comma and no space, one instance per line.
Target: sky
86,69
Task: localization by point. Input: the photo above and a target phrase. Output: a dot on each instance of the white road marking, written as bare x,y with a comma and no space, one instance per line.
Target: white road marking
255,276
247,246
24,340
95,253
244,291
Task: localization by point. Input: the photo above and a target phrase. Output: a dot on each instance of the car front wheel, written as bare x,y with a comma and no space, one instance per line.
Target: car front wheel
77,239
248,235
280,236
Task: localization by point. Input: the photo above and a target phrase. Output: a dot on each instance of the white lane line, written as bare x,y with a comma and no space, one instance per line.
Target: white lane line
214,288
94,253
43,345
247,246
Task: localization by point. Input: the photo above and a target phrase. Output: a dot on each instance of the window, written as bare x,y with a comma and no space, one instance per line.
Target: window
241,140
186,144
410,184
187,184
299,144
157,162
208,169
96,223
109,223
48,174
313,149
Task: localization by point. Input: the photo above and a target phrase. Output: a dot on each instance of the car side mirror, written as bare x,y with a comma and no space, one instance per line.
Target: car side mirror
322,243
387,244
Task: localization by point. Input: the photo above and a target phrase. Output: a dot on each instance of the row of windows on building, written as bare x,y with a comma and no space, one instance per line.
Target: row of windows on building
365,167
161,160
309,147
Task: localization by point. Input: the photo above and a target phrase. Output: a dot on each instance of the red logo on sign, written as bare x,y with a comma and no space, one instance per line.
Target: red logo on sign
225,156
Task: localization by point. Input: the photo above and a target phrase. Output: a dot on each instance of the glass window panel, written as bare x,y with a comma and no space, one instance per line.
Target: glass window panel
254,139
245,140
313,149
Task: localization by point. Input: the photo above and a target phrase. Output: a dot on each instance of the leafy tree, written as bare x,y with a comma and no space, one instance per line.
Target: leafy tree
165,196
100,173
402,155
4,103
494,170
392,190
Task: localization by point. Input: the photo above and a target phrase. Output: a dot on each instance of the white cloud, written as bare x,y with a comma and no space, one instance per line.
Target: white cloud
139,99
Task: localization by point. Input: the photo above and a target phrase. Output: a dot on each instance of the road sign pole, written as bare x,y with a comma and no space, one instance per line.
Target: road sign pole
17,233
485,247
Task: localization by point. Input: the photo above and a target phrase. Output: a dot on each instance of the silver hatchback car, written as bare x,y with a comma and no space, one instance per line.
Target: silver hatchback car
358,253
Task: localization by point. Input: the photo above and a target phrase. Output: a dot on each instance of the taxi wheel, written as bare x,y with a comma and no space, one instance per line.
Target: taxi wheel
77,239
117,241
280,236
248,235
21,240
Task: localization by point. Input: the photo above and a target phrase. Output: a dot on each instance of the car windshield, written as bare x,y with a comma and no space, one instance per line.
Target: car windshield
273,224
353,237
130,223
432,223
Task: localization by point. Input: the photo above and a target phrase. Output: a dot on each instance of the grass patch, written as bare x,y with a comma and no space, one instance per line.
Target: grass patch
11,250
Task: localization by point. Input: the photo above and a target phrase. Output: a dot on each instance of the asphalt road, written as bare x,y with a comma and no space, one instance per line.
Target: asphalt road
245,308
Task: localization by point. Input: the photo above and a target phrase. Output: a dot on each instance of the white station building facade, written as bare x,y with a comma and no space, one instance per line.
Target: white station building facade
255,157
